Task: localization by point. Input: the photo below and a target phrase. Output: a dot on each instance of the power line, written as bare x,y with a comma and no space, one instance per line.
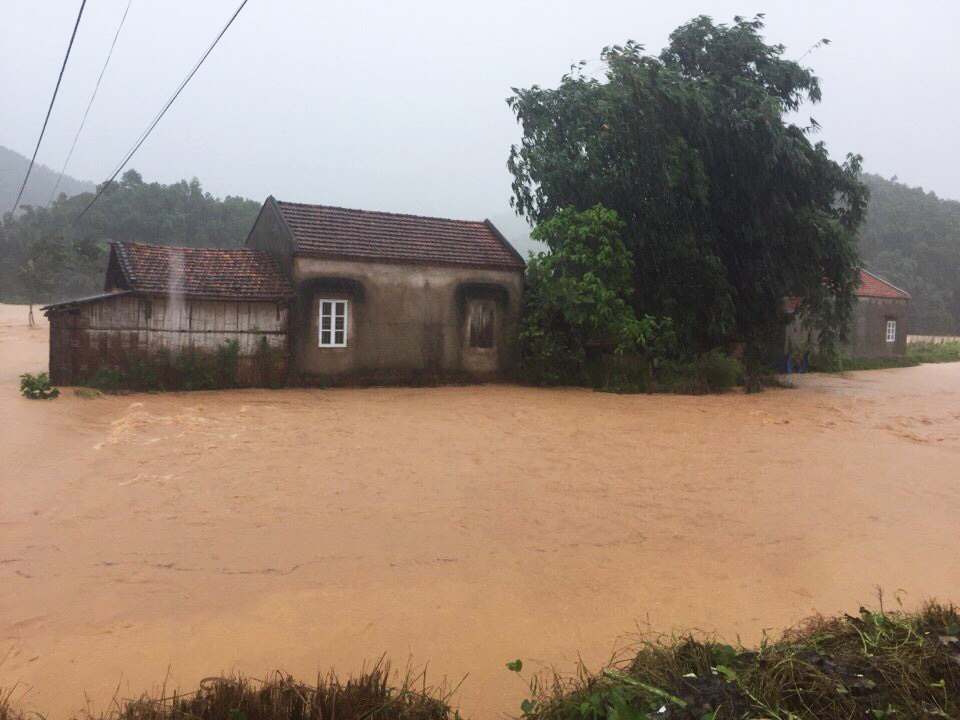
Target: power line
162,112
90,104
49,109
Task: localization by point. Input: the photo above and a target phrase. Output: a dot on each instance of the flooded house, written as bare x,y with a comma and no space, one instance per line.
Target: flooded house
878,324
388,297
338,296
162,302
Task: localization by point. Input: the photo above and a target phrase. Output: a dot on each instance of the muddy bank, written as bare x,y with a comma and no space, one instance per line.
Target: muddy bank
299,529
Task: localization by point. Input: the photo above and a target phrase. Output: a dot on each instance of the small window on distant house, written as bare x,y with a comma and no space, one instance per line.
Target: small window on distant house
481,325
333,323
891,330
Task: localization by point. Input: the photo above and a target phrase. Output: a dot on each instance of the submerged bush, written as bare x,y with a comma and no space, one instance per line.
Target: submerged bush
844,363
37,387
188,370
227,361
712,372
877,665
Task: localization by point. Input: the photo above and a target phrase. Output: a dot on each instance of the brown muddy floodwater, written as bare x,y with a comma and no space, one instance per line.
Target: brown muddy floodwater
200,533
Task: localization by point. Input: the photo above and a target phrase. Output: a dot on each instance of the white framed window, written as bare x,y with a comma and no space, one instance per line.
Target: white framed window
333,322
891,330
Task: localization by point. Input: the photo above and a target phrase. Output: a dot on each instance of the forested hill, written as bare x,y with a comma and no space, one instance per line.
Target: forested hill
46,257
13,166
912,239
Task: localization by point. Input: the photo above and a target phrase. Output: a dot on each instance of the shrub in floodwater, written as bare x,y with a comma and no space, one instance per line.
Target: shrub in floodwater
163,370
711,372
194,371
227,361
845,363
107,379
37,387
140,372
879,665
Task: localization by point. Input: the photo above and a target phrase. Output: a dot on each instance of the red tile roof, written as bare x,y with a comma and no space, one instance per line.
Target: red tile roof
872,286
339,232
212,273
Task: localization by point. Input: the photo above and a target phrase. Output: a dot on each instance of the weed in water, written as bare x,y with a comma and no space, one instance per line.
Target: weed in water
37,387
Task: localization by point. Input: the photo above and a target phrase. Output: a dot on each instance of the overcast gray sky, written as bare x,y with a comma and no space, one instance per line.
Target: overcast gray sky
399,106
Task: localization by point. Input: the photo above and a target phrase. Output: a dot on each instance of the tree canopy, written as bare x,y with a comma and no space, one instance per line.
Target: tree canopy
578,295
728,207
45,256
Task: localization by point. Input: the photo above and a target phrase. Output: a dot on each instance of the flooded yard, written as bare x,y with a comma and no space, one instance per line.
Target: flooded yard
179,536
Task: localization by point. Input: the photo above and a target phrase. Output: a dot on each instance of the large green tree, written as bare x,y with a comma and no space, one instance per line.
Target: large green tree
728,207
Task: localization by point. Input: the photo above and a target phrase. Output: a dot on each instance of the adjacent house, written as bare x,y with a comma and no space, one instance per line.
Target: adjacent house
338,295
385,297
164,301
878,326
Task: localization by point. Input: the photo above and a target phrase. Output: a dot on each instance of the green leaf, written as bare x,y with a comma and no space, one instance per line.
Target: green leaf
723,654
613,675
528,706
515,665
728,673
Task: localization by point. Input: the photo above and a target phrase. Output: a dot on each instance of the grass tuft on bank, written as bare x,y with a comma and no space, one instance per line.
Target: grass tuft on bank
877,665
372,695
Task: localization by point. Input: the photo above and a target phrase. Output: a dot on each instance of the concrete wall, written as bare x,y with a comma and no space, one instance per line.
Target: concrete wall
868,329
405,322
103,332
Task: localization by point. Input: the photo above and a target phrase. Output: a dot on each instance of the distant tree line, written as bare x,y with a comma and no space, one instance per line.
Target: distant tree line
45,258
912,239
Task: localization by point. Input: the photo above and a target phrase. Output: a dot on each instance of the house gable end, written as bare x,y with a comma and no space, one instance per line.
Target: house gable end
271,234
116,277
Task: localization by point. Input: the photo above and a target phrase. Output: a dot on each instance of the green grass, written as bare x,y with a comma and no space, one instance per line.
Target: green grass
878,665
934,352
878,363
844,363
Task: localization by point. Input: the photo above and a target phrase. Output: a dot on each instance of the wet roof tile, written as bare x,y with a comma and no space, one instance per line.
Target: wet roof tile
364,234
228,273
